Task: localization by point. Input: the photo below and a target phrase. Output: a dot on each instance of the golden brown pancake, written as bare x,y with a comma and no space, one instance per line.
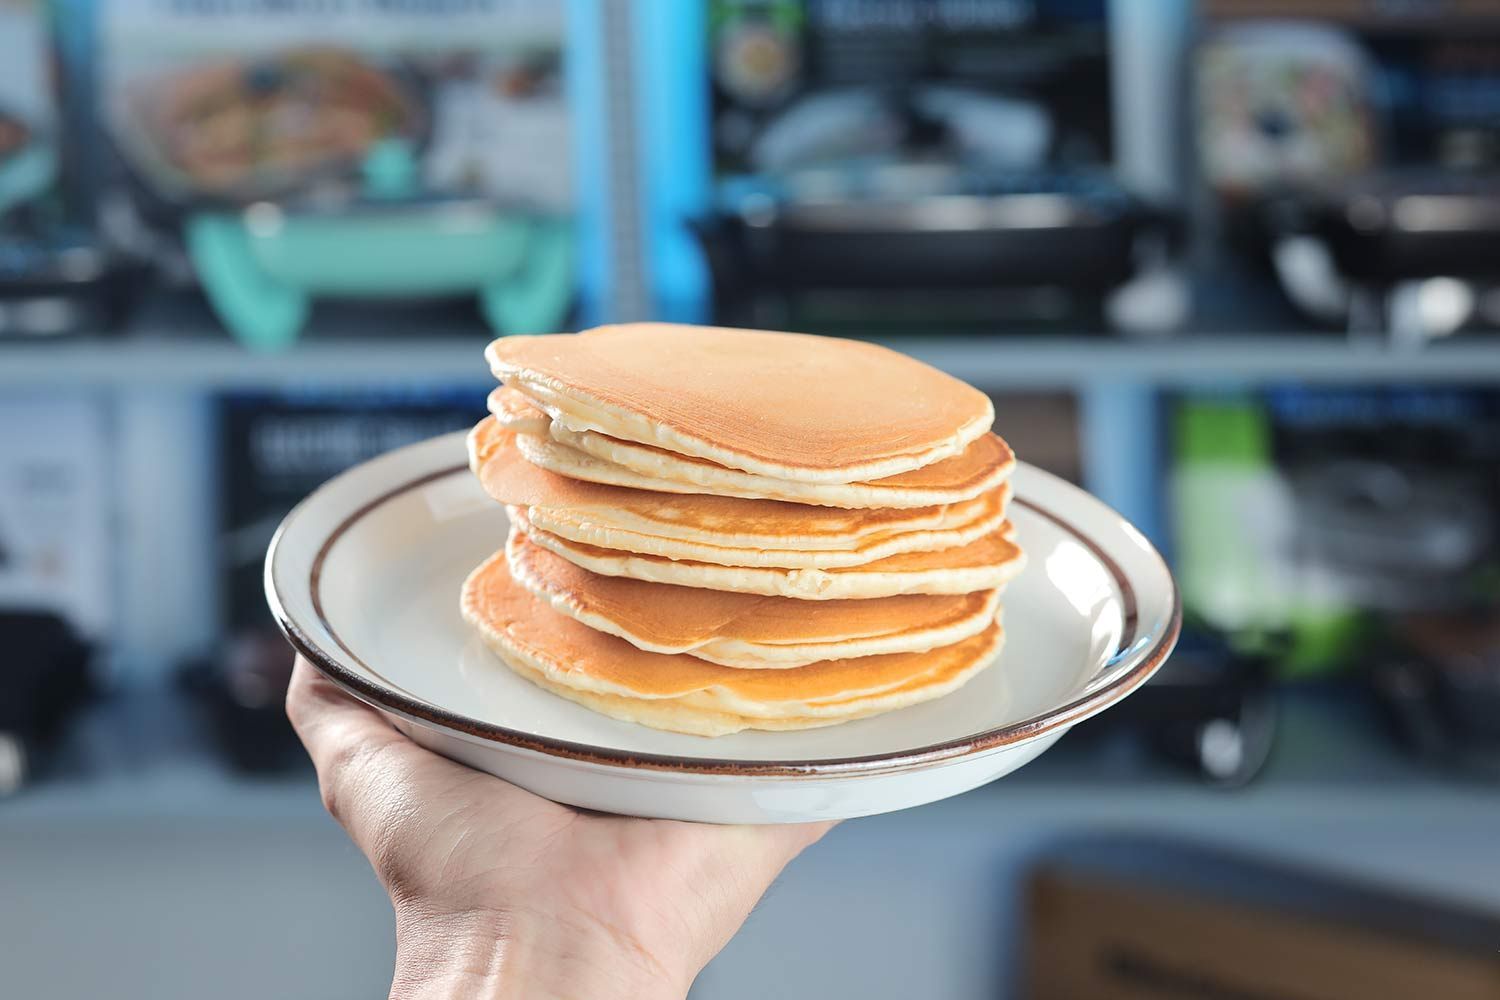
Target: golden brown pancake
788,406
688,715
748,631
983,466
985,564
952,473
582,663
582,527
729,521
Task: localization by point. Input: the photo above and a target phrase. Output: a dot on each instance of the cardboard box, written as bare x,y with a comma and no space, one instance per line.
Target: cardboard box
1215,927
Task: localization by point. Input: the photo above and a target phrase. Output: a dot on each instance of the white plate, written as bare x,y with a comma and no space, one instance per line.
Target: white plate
364,577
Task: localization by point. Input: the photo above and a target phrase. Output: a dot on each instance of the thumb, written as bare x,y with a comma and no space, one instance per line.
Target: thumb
365,767
735,865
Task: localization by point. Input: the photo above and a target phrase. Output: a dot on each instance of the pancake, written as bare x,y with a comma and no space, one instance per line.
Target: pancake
982,467
788,406
987,563
578,527
724,521
514,412
983,462
680,715
686,694
746,631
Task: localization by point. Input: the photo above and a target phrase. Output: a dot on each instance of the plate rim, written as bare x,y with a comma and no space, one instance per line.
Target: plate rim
1133,668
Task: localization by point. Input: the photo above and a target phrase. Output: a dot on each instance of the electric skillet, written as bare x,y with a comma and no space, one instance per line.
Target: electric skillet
1396,225
930,211
324,198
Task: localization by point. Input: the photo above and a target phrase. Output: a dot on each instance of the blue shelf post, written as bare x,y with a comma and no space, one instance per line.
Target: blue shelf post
676,172
1122,451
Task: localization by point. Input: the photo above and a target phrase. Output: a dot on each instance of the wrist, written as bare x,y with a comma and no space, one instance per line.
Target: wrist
501,956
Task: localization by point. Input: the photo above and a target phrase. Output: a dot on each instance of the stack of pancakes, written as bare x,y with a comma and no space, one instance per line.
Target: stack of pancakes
715,530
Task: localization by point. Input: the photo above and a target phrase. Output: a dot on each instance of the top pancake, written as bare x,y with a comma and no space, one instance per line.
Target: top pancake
790,406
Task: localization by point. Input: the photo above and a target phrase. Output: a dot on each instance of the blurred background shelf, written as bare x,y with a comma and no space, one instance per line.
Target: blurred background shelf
1331,758
206,359
227,863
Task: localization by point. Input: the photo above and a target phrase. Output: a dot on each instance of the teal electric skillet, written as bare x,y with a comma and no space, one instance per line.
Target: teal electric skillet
262,265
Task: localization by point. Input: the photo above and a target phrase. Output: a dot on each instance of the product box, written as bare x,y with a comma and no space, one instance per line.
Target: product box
1351,506
1308,92
29,114
1351,151
56,547
346,149
1007,84
57,570
275,448
1144,920
52,270
892,167
237,99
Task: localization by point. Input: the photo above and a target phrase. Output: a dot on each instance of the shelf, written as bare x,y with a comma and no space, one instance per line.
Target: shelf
1192,360
209,360
216,363
1331,762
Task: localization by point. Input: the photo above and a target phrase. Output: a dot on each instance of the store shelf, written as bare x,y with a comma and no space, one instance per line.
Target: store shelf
1189,360
217,363
1330,758
210,360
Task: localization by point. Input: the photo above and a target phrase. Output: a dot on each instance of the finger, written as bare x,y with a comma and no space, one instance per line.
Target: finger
734,865
391,795
327,720
742,859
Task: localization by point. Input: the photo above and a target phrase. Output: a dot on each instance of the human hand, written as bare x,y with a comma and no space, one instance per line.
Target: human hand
502,893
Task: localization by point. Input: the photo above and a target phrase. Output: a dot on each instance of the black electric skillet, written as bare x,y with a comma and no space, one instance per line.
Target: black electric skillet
1393,226
914,220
